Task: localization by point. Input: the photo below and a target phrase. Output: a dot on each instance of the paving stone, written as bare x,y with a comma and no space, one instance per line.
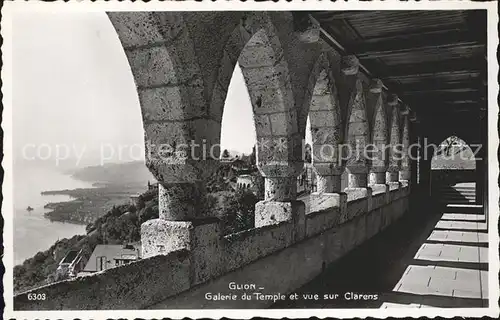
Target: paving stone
466,294
416,278
430,249
468,256
469,236
432,271
444,224
482,226
462,216
482,237
387,305
467,275
422,289
449,285
438,235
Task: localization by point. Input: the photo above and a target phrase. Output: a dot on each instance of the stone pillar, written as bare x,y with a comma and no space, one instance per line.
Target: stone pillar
329,183
392,174
280,171
327,133
329,192
413,152
379,136
404,173
176,201
357,129
377,177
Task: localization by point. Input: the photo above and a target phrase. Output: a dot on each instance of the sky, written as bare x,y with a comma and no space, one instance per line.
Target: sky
73,92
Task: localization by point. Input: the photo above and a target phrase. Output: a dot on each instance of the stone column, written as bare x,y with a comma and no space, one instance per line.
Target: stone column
404,173
280,204
392,174
413,152
329,193
379,137
357,133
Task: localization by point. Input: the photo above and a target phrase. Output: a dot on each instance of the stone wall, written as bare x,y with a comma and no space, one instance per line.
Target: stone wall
273,257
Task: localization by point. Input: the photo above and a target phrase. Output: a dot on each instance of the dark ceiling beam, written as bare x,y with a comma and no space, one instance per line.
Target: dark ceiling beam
378,48
442,96
328,16
435,67
446,109
448,86
434,91
474,103
466,73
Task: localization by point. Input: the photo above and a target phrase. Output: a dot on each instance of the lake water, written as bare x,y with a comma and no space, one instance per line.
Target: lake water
32,231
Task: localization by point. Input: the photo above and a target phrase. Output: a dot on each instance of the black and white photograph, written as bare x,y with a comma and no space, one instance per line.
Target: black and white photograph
199,159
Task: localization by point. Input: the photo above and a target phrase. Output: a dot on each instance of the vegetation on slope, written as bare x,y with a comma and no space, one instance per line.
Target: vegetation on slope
122,224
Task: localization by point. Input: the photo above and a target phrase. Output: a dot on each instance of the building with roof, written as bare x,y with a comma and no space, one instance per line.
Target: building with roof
71,264
106,256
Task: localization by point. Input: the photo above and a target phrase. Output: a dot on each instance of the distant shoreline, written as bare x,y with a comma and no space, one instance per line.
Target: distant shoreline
89,204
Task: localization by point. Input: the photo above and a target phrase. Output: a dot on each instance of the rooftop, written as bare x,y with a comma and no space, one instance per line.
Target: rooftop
111,251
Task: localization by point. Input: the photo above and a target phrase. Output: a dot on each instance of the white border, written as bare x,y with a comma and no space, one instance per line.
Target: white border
493,204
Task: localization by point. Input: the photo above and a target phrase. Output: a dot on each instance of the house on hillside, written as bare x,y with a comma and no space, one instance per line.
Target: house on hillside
106,256
244,181
71,264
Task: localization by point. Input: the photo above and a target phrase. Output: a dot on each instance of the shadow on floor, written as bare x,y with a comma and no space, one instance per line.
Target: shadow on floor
412,263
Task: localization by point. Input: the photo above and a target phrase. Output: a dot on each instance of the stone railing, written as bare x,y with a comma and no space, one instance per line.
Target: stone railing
276,258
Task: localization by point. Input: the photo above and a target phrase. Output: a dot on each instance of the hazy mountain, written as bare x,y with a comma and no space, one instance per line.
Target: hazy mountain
116,173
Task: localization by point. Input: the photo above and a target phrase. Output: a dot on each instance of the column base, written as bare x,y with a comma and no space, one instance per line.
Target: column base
404,183
273,212
357,180
394,185
379,188
377,178
404,175
160,236
323,201
357,193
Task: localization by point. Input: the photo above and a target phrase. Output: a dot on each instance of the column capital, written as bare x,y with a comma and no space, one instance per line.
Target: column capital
349,65
376,85
405,110
413,117
306,27
392,99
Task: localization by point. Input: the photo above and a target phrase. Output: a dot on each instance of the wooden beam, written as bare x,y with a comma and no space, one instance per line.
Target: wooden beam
469,74
443,96
436,67
449,86
380,47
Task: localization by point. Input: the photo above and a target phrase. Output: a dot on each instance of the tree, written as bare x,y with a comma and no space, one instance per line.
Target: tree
238,211
308,153
258,185
140,202
448,145
253,157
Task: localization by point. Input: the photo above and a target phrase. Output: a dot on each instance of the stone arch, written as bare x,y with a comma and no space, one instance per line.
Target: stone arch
464,149
255,45
169,82
322,106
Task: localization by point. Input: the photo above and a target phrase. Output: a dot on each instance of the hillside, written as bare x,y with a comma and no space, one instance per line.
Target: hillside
122,223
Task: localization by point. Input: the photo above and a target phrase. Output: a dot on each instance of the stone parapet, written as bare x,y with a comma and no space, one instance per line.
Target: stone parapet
203,260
